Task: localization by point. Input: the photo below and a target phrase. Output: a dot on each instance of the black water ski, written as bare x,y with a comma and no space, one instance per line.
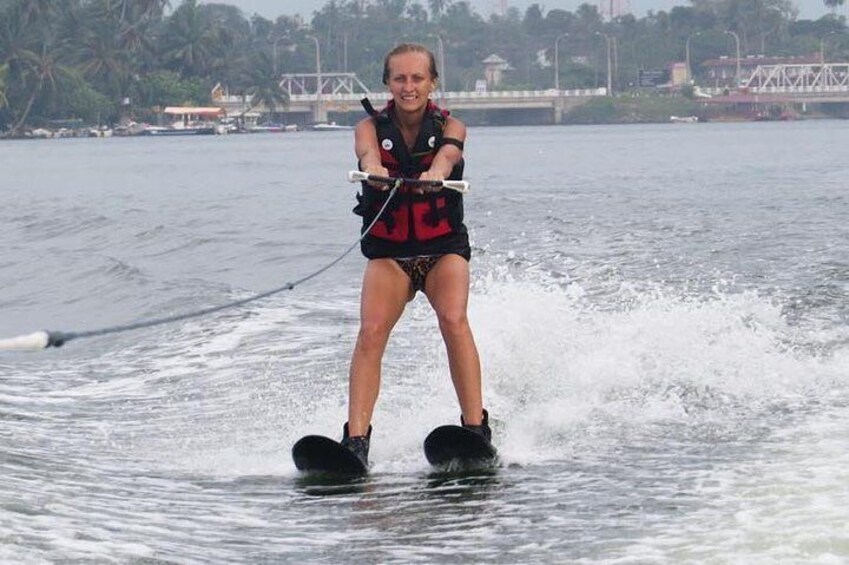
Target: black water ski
319,454
456,447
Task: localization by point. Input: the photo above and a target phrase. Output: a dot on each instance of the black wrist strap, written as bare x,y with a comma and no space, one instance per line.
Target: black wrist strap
452,141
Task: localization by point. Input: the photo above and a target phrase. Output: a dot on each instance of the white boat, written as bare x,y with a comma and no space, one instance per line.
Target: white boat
159,131
273,128
684,119
190,120
329,126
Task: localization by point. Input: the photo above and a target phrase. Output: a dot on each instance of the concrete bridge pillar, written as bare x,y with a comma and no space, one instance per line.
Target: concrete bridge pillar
319,112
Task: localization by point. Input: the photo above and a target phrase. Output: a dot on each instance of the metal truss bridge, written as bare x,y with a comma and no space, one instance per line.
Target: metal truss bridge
822,83
320,93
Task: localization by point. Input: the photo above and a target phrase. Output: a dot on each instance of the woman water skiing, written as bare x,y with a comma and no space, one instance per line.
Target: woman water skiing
418,244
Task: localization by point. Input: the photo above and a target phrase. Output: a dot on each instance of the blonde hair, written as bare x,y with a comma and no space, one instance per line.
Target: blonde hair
409,48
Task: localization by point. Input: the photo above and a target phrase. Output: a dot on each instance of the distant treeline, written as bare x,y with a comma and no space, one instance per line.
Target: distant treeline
102,60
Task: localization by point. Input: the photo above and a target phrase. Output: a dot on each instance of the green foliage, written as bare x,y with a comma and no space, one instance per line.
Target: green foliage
631,109
833,5
167,88
596,111
264,89
80,100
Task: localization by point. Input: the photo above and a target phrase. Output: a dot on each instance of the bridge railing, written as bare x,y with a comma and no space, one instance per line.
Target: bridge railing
799,89
550,93
779,90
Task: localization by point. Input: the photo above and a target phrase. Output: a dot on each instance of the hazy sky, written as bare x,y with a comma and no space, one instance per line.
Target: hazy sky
809,9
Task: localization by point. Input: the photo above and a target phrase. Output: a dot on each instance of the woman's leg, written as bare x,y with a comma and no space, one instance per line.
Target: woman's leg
386,289
447,288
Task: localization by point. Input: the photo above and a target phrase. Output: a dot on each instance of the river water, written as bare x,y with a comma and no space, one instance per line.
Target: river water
661,313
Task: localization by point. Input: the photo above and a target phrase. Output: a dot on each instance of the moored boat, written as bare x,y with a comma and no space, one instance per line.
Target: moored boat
329,126
684,119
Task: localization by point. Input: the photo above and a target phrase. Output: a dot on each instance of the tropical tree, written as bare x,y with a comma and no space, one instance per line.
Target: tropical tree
15,37
103,55
833,5
438,7
188,40
417,14
17,57
74,97
44,75
34,10
4,69
231,47
167,88
136,11
264,87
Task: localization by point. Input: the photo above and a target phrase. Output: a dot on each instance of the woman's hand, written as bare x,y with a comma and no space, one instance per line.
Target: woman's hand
379,171
430,175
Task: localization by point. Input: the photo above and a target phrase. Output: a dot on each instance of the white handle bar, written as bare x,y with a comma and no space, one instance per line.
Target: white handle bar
30,342
458,185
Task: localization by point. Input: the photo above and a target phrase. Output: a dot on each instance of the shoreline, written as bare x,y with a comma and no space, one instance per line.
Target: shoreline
582,119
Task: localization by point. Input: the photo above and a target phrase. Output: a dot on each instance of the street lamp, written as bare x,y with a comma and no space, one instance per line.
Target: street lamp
274,53
557,61
318,88
609,66
442,79
737,44
687,51
345,52
615,45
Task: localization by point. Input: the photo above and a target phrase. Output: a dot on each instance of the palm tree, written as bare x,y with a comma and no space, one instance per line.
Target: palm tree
135,11
438,7
833,5
103,56
43,74
264,89
14,36
18,60
35,10
189,40
136,19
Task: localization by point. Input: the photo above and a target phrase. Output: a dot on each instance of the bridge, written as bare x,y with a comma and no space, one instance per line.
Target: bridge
318,94
824,83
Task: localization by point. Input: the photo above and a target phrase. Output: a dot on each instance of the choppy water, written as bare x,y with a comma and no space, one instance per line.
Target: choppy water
661,313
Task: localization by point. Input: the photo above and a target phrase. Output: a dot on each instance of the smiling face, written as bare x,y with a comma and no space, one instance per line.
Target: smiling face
410,80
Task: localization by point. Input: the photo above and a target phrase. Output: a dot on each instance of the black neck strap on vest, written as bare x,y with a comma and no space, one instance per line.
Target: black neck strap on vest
368,106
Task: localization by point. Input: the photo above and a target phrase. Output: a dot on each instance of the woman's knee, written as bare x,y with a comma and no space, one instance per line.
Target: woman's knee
373,334
453,321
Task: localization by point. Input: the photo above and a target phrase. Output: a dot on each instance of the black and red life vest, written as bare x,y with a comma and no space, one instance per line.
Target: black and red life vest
412,224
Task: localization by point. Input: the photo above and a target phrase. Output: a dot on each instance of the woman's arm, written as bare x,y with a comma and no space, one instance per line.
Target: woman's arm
367,148
449,154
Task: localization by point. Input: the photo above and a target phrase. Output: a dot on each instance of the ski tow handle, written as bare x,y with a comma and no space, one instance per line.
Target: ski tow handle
35,341
458,185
